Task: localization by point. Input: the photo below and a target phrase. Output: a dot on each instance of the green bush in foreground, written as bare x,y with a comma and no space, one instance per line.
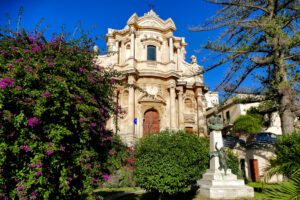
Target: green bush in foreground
287,155
170,162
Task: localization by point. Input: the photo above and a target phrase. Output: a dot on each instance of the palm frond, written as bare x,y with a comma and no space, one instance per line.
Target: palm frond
286,191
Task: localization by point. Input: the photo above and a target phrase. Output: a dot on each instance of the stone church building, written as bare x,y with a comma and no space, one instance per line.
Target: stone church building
166,92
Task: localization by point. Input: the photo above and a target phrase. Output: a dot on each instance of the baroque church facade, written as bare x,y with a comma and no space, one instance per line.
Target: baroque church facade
165,91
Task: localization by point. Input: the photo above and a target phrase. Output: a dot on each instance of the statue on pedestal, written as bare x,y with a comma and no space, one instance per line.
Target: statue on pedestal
215,123
223,158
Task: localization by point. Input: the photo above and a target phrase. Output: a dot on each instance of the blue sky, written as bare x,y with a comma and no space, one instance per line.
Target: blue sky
101,15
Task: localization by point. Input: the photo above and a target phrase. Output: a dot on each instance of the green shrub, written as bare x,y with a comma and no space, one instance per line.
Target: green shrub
54,104
248,124
170,162
233,163
287,152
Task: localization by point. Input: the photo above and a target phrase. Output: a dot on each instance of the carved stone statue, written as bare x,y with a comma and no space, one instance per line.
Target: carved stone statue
96,49
193,59
215,123
223,158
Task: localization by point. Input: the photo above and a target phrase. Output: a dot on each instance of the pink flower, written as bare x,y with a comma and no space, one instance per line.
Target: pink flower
33,121
18,88
56,40
46,94
25,148
81,70
39,164
34,165
32,39
91,79
93,124
38,173
6,82
51,64
101,110
33,195
82,119
17,61
62,149
105,177
21,187
49,152
36,49
89,166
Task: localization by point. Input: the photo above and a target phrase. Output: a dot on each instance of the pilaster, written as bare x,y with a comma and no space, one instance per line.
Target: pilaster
180,108
173,104
131,104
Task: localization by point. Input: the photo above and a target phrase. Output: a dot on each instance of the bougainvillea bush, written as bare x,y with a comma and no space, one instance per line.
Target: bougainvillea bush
54,103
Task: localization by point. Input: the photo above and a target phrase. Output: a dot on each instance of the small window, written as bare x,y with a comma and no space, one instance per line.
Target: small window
151,53
228,116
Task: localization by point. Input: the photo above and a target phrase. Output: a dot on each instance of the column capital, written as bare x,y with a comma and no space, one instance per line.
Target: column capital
198,93
131,79
172,83
132,30
180,90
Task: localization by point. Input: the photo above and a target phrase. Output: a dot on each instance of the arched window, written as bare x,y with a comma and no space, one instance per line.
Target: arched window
151,53
127,51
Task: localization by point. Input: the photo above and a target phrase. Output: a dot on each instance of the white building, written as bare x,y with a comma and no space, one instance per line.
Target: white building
253,161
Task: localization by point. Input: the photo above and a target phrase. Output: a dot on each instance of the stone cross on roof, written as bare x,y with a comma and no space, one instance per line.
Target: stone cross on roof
151,6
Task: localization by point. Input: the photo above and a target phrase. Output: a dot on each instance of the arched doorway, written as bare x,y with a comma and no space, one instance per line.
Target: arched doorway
151,122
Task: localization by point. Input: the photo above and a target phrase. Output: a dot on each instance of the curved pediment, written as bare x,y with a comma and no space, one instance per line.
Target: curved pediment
152,98
151,23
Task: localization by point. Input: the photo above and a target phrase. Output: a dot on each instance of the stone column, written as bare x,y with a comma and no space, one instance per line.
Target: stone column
178,58
180,109
171,48
118,50
132,43
131,100
173,105
201,122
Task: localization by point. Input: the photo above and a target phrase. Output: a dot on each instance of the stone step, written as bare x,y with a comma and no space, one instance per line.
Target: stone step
229,183
219,176
227,192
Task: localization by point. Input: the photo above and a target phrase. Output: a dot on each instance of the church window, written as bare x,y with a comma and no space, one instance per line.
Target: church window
127,52
151,53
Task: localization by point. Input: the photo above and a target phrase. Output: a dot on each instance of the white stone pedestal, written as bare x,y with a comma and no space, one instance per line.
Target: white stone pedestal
215,184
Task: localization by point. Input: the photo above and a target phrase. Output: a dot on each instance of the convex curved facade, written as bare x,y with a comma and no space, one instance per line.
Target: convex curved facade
167,92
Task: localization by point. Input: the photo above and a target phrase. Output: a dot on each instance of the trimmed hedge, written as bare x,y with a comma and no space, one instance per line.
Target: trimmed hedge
170,162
